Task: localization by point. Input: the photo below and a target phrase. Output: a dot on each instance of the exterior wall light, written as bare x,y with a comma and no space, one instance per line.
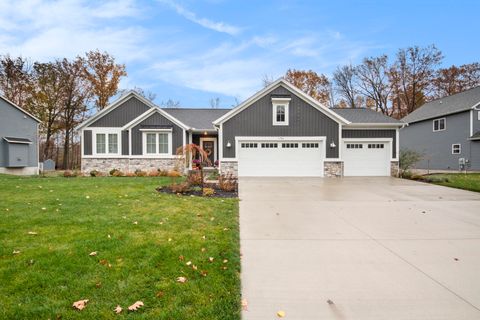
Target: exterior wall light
332,145
229,145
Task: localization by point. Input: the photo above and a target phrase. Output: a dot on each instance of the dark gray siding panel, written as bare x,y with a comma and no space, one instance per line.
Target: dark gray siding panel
436,147
87,142
370,133
125,142
159,120
122,114
14,123
256,120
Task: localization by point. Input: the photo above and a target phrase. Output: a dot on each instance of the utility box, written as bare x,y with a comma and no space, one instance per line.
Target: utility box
17,152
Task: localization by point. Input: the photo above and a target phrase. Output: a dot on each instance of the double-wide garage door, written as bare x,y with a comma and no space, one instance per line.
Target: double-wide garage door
366,158
280,158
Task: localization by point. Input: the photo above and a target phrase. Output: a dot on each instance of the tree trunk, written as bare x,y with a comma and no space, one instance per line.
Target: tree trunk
66,147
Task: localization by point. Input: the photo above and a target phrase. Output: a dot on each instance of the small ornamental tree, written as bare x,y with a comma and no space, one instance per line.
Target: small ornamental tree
408,158
192,151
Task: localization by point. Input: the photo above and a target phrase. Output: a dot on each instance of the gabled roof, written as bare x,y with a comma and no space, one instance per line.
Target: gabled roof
281,82
366,116
459,102
15,106
150,112
197,119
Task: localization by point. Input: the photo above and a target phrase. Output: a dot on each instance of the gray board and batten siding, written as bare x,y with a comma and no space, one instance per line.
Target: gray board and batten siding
436,147
256,121
17,124
373,133
122,114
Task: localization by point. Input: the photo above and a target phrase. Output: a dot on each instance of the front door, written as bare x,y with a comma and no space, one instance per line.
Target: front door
209,147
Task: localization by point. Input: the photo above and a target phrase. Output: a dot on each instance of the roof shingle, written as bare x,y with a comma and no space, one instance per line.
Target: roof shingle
199,119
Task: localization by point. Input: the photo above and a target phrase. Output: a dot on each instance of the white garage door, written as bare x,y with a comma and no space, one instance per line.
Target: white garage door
280,158
366,158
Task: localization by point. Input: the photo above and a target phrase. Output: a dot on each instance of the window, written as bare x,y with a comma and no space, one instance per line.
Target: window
280,111
157,143
309,145
456,148
269,145
248,145
289,145
439,124
376,146
354,146
106,143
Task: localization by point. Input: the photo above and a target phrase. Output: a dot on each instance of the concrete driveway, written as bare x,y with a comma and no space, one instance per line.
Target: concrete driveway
377,248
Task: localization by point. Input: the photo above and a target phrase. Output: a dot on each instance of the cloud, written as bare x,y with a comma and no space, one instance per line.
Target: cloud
204,22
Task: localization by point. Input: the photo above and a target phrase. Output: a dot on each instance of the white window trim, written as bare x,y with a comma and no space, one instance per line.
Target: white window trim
478,115
157,154
459,148
280,102
444,127
106,131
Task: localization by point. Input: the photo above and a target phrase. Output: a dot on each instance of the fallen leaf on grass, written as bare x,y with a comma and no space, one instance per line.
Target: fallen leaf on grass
181,258
160,294
225,261
203,249
16,251
181,279
118,309
93,253
203,273
281,314
194,267
188,263
80,304
210,259
135,222
44,208
87,197
244,304
33,233
135,306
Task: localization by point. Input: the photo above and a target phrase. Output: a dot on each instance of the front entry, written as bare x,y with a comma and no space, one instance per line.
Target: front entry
210,147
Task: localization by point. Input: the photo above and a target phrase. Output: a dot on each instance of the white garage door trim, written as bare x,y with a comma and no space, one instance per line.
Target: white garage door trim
319,139
388,148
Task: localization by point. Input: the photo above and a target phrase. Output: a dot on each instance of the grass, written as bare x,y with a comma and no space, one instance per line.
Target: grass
139,236
469,181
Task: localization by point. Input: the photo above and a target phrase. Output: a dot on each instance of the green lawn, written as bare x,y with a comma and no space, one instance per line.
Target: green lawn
139,236
469,181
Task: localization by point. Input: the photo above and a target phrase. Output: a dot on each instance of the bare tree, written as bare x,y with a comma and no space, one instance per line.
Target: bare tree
15,79
412,74
267,80
170,103
215,103
345,84
373,82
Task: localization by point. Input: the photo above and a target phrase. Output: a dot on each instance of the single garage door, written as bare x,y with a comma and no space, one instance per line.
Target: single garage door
366,158
280,158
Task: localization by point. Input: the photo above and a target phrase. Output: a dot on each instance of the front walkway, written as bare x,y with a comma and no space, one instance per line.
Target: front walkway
375,248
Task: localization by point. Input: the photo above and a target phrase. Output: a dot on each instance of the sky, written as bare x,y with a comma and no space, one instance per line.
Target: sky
193,51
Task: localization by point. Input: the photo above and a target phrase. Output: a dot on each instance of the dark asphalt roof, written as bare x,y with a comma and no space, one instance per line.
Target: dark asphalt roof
197,118
364,115
17,140
455,103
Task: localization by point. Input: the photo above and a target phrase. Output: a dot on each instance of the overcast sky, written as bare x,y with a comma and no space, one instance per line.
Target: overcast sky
192,51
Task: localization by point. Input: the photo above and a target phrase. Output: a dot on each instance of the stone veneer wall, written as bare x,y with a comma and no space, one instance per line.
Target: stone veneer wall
333,169
394,168
129,165
229,167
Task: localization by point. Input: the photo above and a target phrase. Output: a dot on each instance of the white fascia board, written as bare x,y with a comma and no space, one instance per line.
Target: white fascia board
374,125
271,87
150,112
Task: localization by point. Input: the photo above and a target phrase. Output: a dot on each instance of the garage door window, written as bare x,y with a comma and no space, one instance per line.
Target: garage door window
354,146
249,145
269,145
289,145
309,145
376,146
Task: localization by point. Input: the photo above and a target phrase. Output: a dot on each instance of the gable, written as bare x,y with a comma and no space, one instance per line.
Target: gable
122,114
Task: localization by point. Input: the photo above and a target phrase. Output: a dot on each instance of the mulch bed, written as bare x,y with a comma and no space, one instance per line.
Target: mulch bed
218,193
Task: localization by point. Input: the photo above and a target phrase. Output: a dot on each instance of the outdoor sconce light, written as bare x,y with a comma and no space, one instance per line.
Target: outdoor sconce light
229,145
332,145
205,133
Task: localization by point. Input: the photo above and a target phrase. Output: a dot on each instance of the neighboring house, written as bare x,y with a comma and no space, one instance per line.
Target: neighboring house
445,131
280,131
18,140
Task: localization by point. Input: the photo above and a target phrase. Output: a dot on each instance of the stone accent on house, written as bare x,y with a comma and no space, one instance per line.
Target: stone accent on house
130,165
333,169
394,168
229,167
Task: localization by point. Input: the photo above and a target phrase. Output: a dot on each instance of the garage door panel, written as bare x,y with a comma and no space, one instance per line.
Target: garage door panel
284,158
366,158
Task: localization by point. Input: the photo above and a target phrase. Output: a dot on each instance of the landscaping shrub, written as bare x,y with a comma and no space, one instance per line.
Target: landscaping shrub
213,176
194,178
408,158
130,174
140,173
173,173
70,174
436,179
180,187
153,173
162,173
113,172
117,173
208,192
94,173
227,183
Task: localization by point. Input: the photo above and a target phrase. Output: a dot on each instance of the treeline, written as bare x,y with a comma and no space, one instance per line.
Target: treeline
394,86
61,93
